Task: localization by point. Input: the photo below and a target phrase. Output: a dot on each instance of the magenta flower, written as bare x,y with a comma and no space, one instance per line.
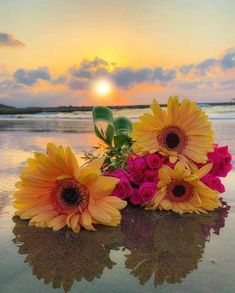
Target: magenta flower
136,163
151,176
154,161
123,189
213,182
221,160
145,193
136,198
136,168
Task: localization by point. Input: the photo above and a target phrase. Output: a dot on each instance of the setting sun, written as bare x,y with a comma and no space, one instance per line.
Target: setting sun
103,87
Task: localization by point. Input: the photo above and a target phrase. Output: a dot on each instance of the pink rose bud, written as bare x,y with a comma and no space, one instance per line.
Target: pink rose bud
221,160
213,183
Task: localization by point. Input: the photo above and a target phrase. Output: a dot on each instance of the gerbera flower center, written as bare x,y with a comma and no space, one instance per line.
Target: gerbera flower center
70,196
172,138
179,191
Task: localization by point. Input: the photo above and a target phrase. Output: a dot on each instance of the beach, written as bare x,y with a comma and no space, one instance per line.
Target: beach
166,252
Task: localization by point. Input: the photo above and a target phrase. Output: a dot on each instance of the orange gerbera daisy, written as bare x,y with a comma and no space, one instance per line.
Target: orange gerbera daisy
54,192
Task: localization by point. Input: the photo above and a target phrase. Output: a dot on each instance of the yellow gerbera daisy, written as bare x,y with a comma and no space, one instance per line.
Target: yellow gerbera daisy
54,192
182,131
181,191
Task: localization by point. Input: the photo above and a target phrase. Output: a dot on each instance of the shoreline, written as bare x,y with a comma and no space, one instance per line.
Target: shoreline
69,109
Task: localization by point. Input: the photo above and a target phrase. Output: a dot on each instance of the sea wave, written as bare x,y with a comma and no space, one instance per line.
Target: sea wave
224,112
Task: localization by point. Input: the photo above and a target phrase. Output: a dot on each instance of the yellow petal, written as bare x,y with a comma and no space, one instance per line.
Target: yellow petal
115,202
59,226
99,214
204,170
75,223
56,220
86,221
102,186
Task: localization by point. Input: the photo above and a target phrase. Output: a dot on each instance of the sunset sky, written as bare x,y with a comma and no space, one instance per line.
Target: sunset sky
68,52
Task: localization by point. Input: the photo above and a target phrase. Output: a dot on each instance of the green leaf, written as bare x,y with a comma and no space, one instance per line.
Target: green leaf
98,133
109,134
103,114
121,139
122,125
111,130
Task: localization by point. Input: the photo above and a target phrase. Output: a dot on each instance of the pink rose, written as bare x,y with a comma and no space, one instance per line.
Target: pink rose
151,176
136,197
213,183
147,191
221,160
120,173
123,188
136,167
154,161
136,163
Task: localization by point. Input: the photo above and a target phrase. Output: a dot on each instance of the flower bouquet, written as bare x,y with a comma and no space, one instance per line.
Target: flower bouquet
166,160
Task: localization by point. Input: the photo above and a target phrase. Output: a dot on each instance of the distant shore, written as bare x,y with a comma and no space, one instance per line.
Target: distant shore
68,109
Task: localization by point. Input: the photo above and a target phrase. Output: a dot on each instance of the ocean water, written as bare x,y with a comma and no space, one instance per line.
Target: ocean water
148,252
213,112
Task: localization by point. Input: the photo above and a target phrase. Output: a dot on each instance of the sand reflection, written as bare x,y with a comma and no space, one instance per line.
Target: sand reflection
165,245
162,245
62,258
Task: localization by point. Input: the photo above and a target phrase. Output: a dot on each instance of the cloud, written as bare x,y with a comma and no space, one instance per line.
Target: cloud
7,40
76,84
8,85
81,73
185,69
211,76
61,79
188,85
31,77
80,77
96,62
228,84
88,69
228,61
123,77
163,74
205,65
128,77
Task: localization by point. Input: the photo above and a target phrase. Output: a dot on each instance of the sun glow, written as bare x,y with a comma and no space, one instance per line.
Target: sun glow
103,88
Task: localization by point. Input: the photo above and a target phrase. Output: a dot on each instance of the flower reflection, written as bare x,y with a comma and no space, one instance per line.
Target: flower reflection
61,258
166,245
